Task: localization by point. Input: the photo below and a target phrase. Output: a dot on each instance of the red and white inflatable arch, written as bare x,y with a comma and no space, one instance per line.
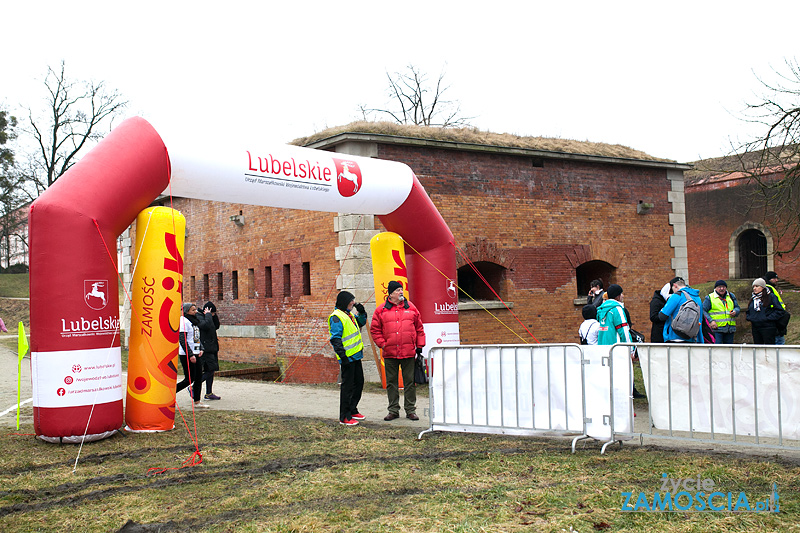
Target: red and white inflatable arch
73,226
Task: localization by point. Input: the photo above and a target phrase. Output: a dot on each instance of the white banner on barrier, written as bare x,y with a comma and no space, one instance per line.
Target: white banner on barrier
727,388
526,389
77,377
599,390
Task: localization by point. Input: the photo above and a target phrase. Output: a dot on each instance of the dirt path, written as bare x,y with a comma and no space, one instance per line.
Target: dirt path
237,395
314,401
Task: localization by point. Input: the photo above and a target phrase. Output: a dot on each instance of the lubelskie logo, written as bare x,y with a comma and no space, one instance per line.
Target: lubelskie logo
696,494
95,292
348,177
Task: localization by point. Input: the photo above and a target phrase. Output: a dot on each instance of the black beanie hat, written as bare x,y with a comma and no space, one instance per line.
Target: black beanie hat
614,291
589,311
393,286
343,299
769,275
720,282
211,306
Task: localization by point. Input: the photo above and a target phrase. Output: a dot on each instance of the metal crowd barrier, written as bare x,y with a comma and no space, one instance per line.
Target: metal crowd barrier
732,394
725,394
553,389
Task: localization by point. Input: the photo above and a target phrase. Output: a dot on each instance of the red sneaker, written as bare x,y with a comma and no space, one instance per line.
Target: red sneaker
348,422
358,416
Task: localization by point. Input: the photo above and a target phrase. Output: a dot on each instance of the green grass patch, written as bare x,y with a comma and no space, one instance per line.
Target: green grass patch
270,473
14,286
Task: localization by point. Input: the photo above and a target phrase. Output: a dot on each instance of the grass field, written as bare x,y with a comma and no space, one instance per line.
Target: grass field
285,474
269,473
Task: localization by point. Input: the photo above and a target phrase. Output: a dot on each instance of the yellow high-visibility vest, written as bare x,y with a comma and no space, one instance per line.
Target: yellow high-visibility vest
351,336
721,309
777,295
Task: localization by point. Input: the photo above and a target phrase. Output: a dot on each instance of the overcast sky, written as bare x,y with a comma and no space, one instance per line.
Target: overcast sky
670,79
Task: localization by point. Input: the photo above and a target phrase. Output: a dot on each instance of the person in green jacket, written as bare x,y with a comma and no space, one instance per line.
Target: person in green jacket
614,326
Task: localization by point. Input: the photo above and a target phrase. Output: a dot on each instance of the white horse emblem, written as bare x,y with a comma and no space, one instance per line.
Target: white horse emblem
94,294
451,288
349,176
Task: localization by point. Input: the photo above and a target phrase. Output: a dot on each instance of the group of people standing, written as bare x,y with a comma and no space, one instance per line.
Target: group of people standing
397,329
766,312
606,321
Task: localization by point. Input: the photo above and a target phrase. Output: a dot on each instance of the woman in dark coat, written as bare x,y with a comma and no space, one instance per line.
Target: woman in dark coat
210,342
656,305
764,312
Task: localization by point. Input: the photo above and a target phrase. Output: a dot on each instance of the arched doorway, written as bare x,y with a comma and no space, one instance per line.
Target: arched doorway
750,251
485,284
752,248
591,270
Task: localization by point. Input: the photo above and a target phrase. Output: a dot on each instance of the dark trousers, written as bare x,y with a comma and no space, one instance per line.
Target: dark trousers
723,338
191,375
393,368
210,365
352,386
764,335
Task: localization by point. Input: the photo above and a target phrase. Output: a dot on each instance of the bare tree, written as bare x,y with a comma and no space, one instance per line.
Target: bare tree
771,160
413,100
13,219
77,112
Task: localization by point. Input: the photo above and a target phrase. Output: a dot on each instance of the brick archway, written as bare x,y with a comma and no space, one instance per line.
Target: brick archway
483,250
734,253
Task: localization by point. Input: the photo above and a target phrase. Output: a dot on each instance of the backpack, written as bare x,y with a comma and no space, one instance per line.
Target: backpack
686,323
420,370
585,340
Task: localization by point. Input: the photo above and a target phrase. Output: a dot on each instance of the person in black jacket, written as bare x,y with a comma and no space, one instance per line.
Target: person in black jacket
764,312
657,303
596,292
208,338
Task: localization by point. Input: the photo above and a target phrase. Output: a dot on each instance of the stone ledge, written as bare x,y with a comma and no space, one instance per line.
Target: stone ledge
260,373
483,304
249,332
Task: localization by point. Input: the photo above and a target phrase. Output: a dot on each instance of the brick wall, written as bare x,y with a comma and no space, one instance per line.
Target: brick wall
273,238
538,218
713,214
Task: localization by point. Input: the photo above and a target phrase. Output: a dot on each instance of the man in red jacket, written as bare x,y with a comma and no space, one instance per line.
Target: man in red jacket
397,329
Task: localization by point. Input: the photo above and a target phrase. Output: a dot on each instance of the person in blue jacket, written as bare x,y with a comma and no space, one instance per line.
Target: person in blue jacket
679,288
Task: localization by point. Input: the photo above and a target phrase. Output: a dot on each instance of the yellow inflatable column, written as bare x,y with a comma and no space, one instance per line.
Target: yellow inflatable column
156,310
388,263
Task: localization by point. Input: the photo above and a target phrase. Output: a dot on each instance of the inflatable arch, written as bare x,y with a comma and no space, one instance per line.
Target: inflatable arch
73,227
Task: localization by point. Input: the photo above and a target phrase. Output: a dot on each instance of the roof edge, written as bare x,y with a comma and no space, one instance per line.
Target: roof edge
338,138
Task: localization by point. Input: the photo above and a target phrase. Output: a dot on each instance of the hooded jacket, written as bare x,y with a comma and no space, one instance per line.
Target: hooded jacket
656,305
397,329
614,326
670,309
208,327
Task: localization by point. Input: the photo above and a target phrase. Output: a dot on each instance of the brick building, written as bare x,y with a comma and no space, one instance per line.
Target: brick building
539,218
729,235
